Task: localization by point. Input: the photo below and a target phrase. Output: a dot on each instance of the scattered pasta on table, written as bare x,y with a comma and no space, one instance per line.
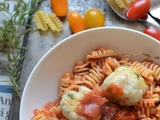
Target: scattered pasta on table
44,21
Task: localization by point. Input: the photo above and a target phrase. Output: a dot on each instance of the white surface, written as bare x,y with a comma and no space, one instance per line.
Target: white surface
42,85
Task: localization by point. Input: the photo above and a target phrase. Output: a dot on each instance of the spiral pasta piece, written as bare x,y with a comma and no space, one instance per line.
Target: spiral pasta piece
71,88
96,76
81,68
110,65
45,115
146,113
125,61
92,72
144,71
75,83
156,90
64,83
112,62
158,111
153,66
100,53
146,103
146,108
98,62
153,96
77,80
141,115
49,111
39,18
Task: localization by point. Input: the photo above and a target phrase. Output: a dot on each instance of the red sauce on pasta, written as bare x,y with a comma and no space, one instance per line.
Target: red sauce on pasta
125,114
113,89
90,105
108,111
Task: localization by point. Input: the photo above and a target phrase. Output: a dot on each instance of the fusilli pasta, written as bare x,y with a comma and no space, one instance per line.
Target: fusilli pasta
91,73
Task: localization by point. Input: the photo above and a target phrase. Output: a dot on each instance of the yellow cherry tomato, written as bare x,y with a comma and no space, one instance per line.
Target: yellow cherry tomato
94,18
76,22
60,7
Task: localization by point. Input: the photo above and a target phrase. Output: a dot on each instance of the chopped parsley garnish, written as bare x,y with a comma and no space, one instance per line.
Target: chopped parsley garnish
137,74
70,96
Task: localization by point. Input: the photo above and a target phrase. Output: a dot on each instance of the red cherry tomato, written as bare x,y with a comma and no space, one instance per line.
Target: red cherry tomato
154,32
138,9
76,22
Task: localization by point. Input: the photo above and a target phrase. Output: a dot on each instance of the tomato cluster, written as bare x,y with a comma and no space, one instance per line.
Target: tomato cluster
138,10
92,18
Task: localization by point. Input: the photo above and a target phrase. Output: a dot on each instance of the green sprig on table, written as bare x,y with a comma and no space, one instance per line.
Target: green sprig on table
12,32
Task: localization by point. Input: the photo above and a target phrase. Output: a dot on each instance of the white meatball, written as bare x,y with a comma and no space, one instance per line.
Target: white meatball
70,101
124,86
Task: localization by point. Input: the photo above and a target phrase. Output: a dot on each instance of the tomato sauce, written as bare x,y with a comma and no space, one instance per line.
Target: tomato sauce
125,114
90,105
108,111
113,90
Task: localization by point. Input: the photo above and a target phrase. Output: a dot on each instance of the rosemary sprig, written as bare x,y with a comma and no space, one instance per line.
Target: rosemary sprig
147,56
11,37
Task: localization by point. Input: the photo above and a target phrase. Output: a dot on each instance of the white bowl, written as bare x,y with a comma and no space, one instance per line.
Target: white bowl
42,84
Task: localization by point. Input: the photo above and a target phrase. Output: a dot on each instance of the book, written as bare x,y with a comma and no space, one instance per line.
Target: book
6,93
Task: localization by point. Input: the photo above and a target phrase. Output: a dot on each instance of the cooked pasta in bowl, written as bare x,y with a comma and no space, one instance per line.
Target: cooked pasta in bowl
106,73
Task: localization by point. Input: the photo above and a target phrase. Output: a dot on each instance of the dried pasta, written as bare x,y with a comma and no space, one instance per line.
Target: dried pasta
124,3
54,22
39,18
44,21
92,71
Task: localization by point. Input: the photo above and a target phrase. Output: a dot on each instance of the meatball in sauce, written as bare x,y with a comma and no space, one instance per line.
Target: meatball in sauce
124,86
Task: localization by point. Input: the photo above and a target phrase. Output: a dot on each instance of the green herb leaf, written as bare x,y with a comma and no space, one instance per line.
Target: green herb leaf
70,96
137,74
11,37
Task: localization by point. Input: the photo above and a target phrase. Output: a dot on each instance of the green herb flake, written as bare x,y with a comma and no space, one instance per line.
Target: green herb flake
70,96
137,74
